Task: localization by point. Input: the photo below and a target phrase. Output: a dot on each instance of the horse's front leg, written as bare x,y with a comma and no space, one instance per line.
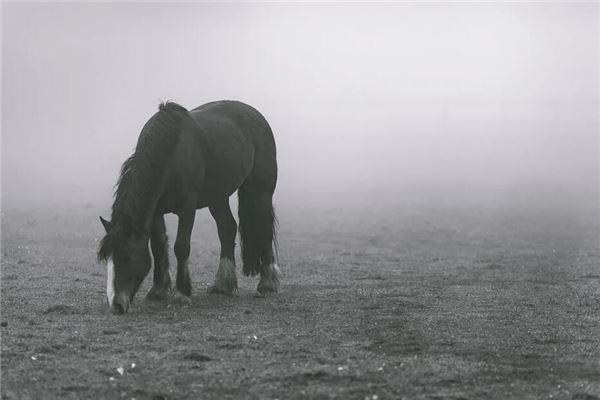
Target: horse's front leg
183,285
159,244
226,280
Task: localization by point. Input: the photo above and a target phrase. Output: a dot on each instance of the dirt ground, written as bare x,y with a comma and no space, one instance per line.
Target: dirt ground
413,300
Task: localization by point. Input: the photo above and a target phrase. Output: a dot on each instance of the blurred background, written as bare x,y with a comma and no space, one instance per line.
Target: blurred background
481,103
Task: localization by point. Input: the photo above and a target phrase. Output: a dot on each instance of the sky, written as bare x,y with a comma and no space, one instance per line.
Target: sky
383,99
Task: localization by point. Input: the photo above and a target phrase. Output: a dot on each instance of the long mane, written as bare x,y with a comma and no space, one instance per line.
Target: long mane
141,175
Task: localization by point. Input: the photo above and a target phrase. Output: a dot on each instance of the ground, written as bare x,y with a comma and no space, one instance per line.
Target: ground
410,300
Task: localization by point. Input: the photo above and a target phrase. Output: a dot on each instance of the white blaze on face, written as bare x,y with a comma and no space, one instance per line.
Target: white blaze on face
110,282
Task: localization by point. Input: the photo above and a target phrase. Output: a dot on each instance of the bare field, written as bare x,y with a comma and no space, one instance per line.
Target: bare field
411,301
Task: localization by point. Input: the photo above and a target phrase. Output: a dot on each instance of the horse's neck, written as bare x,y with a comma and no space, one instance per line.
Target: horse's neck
150,209
143,208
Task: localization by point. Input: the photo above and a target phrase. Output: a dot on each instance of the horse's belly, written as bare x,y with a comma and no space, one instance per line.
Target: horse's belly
228,167
222,183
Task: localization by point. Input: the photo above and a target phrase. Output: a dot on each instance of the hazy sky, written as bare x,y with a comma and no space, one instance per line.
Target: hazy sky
378,96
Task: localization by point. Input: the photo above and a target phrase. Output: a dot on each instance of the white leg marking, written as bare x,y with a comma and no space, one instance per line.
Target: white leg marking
226,280
110,282
269,279
275,271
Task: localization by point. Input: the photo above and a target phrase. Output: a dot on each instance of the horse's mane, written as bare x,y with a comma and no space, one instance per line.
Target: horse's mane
141,174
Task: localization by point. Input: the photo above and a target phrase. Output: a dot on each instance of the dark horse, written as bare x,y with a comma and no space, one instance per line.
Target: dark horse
184,161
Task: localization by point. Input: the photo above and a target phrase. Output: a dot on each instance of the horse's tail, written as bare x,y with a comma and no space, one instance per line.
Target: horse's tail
258,225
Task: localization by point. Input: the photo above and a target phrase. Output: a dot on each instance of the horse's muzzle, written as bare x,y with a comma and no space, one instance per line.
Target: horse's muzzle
120,304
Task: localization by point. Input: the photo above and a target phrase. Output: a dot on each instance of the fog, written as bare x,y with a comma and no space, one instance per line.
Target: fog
368,102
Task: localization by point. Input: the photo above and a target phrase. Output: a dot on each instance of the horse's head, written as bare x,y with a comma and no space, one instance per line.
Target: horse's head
127,263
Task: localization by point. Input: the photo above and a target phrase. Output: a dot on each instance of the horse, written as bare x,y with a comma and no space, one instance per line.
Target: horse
185,161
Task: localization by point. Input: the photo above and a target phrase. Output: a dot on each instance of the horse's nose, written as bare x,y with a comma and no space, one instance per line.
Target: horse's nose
119,309
120,305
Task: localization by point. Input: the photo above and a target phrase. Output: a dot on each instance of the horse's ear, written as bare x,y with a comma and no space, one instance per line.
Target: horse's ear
105,224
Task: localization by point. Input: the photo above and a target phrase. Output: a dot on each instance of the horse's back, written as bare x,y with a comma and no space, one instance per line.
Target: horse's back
240,145
229,108
244,116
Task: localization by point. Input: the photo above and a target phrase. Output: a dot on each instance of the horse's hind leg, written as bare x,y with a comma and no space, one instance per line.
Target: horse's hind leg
269,273
257,231
225,280
183,283
159,244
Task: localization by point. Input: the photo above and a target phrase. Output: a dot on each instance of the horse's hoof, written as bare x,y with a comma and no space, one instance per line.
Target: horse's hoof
215,289
226,280
157,294
181,299
269,280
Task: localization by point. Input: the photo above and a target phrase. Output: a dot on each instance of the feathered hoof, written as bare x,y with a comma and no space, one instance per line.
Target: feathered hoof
158,294
226,279
269,280
181,299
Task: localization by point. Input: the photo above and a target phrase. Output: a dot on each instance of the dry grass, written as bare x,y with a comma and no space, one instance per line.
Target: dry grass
408,302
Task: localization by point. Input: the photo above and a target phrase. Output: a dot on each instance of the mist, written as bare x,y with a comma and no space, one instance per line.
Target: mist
369,103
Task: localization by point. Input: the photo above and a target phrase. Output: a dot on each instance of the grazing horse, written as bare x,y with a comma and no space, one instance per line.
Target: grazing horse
184,161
